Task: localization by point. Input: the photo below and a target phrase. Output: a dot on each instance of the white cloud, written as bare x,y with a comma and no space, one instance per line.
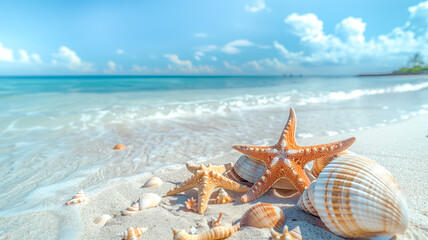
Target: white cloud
68,58
198,55
24,56
231,67
348,44
200,35
255,6
111,67
232,47
120,51
6,54
138,69
214,59
174,58
186,66
36,58
207,48
254,65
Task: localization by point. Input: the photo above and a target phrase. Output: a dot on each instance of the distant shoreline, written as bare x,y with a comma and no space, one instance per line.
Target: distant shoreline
391,74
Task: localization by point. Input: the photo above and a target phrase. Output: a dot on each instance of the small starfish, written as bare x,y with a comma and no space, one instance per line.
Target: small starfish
206,179
286,159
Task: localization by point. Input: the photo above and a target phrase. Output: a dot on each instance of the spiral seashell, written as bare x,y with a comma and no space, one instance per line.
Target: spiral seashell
294,234
102,220
223,197
191,205
133,209
153,182
132,233
78,198
149,200
252,169
263,215
357,198
214,233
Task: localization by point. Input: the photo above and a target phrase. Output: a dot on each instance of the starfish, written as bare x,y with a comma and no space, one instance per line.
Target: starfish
286,159
206,179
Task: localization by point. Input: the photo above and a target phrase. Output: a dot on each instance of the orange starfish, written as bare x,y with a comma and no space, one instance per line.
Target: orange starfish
286,159
206,179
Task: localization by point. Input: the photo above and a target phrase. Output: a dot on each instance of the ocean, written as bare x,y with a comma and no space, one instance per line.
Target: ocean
57,133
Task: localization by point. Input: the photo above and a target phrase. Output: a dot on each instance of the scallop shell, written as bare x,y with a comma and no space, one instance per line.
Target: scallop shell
263,215
191,204
223,197
252,169
149,200
294,234
357,198
153,182
103,219
133,209
78,198
132,233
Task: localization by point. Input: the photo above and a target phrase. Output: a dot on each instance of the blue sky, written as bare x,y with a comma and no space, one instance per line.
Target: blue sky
223,37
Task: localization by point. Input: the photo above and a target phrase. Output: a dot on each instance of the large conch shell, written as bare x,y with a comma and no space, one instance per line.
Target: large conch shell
214,233
251,170
357,198
263,215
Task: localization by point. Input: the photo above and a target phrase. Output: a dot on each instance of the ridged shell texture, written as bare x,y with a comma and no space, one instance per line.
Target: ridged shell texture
263,215
356,197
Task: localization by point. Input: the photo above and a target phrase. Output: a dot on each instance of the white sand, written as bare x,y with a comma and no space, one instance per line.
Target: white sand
401,148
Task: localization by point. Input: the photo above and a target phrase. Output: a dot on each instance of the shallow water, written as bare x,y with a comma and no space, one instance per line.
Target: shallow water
57,134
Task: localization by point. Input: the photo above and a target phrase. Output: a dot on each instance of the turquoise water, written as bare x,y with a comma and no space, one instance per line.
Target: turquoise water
56,133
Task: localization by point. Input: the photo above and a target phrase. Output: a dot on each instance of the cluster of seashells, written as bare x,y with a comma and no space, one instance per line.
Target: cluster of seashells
149,200
354,197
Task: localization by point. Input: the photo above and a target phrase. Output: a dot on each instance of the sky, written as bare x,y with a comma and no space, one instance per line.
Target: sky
222,37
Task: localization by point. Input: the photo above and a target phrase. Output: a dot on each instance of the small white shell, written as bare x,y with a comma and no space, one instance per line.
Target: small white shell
78,198
149,200
263,215
252,169
153,182
102,220
357,198
132,233
133,209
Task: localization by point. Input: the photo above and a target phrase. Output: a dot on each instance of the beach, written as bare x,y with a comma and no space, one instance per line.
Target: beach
63,142
402,148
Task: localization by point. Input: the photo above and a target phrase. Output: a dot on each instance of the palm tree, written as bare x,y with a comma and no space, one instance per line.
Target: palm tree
416,60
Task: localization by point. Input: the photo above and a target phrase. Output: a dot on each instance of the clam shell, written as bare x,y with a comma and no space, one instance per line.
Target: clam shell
357,198
263,215
252,169
133,209
78,198
102,220
119,147
149,200
153,182
132,233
